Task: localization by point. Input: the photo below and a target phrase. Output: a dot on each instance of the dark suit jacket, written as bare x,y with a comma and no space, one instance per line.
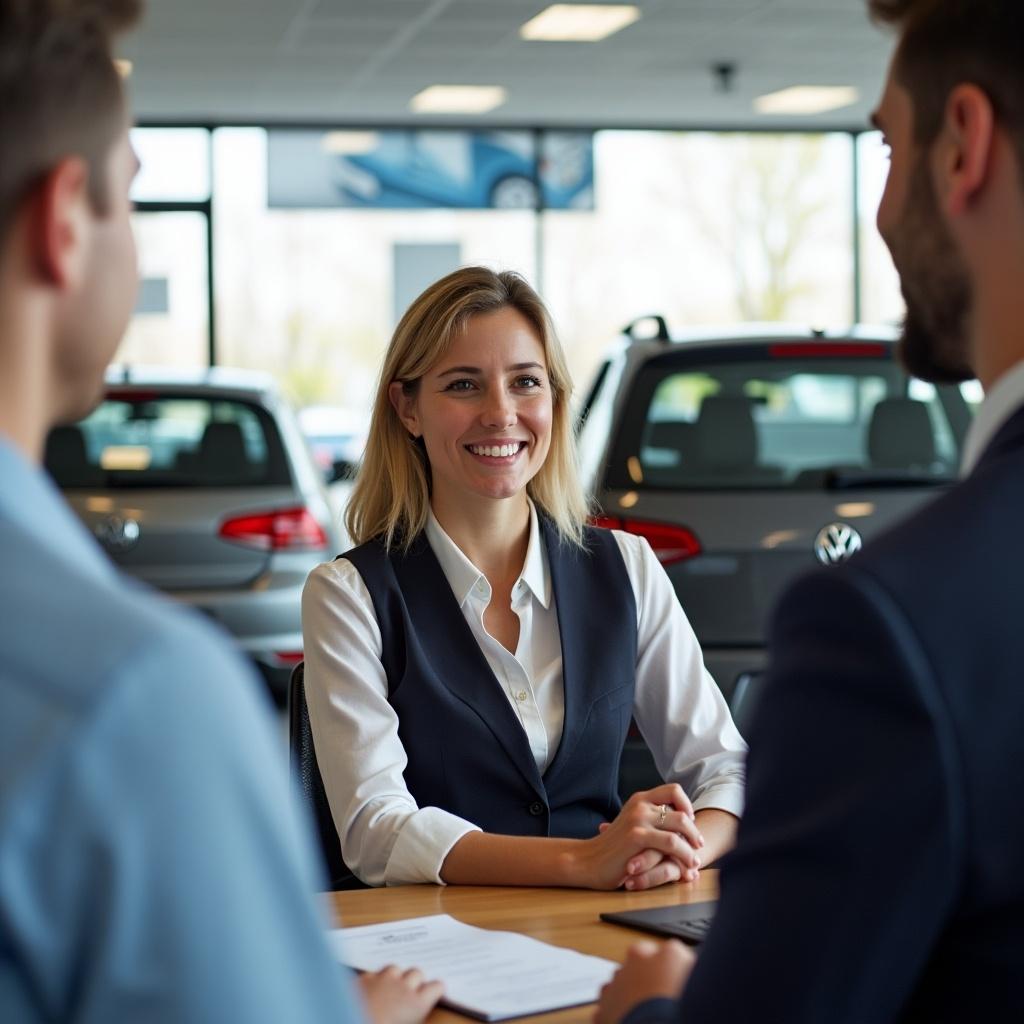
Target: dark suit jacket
879,871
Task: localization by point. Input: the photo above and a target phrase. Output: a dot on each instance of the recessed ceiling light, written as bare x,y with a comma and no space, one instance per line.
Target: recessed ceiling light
349,143
580,23
807,99
124,67
458,99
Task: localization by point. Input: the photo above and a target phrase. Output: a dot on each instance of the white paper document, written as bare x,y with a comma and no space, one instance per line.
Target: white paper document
489,975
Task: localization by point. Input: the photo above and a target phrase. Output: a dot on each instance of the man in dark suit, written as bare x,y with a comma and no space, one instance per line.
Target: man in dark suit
879,872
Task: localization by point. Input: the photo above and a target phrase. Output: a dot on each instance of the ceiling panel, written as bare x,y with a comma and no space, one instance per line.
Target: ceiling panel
356,61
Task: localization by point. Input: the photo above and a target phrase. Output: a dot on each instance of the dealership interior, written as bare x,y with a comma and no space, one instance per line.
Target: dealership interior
532,486
646,134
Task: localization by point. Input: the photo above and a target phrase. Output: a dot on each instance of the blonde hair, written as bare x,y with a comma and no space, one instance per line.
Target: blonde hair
391,498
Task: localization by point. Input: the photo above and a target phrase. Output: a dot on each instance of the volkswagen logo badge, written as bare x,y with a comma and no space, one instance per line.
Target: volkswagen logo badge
835,543
117,533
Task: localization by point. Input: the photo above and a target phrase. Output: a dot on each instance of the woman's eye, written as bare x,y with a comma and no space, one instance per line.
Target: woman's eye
460,385
528,383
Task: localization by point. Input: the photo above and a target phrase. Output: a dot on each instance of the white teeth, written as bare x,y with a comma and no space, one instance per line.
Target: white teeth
495,451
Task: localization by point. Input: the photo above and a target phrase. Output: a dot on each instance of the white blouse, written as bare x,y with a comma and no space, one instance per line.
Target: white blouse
386,838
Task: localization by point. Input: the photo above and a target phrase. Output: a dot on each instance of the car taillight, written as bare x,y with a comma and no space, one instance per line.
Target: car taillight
670,543
287,529
288,657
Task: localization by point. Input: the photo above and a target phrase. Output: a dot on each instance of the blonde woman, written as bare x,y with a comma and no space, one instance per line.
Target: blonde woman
473,663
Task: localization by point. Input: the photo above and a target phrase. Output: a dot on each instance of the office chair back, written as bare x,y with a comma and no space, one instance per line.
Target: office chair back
304,764
745,695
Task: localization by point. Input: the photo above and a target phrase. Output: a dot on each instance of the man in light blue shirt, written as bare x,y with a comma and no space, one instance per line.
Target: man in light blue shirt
149,870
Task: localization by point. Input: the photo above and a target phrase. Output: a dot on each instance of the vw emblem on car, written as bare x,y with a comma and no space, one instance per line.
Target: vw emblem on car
117,533
835,543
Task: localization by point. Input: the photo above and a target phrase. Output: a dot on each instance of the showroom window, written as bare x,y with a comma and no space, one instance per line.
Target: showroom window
172,322
881,301
703,228
312,242
320,251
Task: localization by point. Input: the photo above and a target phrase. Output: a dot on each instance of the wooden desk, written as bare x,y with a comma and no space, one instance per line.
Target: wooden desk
563,917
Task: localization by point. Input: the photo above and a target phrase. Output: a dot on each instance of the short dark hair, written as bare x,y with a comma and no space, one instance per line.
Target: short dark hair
60,93
944,43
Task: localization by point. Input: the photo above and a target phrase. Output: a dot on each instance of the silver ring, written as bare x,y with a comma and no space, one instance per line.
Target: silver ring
661,817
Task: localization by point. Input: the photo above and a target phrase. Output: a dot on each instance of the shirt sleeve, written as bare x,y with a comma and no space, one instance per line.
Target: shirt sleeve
678,706
161,875
386,838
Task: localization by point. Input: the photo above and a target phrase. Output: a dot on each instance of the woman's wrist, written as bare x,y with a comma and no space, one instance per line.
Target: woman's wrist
571,865
719,830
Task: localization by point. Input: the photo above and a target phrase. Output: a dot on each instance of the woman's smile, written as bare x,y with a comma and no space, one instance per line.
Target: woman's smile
500,453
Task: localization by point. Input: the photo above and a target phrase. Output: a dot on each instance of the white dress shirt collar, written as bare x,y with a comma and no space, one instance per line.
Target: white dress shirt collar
1000,403
463,575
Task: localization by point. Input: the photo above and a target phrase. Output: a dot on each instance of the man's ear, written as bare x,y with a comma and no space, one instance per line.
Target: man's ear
964,148
61,222
405,406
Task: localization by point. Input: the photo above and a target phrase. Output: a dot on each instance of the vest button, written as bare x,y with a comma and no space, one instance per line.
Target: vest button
536,808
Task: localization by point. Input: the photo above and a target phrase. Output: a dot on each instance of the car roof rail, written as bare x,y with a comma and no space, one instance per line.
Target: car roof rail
662,334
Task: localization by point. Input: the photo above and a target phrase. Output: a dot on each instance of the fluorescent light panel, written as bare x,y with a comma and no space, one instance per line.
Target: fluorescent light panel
579,23
807,99
349,143
459,99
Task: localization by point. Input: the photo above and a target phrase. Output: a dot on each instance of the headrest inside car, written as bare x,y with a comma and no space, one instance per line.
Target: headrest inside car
900,435
726,433
222,450
67,460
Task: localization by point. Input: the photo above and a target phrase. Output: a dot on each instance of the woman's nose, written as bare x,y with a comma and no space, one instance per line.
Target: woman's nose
500,410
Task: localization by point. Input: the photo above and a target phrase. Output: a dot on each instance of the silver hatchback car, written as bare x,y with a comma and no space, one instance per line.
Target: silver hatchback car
747,459
203,486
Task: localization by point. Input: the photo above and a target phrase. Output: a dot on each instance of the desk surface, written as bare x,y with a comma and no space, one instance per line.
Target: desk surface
563,917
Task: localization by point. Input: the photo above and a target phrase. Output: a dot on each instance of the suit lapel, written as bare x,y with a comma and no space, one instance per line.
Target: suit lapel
455,656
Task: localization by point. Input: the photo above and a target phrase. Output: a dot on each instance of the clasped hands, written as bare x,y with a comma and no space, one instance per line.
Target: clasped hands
653,840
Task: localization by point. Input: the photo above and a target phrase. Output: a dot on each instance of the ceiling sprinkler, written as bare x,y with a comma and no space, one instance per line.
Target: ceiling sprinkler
724,73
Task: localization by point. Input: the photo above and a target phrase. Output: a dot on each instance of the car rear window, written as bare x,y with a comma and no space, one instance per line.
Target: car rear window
145,439
787,423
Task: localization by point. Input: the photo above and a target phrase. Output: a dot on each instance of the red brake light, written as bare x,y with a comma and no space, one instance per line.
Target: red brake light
288,657
670,543
838,350
289,529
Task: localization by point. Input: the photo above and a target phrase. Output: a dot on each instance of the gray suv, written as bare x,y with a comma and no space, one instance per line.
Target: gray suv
748,458
203,486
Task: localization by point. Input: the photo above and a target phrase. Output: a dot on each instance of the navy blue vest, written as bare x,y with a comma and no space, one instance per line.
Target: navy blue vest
468,753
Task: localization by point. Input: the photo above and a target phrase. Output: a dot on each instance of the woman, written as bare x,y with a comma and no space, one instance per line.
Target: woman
473,664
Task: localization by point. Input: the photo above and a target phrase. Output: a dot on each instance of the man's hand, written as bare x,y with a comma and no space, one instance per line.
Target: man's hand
393,996
650,971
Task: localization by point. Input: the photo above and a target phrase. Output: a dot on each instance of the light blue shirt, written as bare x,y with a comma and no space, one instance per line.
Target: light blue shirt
150,869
